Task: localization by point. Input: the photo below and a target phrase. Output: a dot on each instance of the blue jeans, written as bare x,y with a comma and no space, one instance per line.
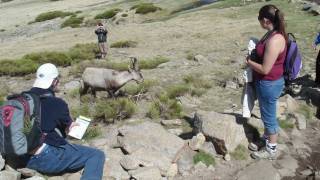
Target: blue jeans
68,158
268,92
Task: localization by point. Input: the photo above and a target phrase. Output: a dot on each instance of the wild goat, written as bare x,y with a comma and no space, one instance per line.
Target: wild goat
101,79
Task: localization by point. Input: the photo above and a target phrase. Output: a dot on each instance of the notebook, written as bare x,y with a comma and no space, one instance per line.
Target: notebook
78,131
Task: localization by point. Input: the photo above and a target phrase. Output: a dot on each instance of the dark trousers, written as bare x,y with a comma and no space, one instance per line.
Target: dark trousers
318,69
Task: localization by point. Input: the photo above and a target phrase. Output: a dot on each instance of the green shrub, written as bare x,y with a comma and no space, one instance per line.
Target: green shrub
17,67
6,0
134,89
2,30
92,132
165,108
81,52
197,81
306,111
73,22
84,109
240,153
198,91
108,14
178,90
145,8
204,157
124,15
57,58
124,44
115,109
91,22
51,15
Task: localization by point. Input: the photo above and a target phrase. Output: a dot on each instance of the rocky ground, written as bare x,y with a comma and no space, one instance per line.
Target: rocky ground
209,41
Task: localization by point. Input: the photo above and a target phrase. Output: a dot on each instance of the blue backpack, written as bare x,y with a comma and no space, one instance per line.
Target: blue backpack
293,62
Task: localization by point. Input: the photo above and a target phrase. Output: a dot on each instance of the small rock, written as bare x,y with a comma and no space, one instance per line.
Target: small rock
200,166
197,141
27,172
56,178
208,147
2,163
36,178
10,175
146,173
289,166
307,7
306,172
174,122
231,85
176,132
315,10
173,170
129,163
185,162
74,176
262,170
199,58
72,85
300,121
227,157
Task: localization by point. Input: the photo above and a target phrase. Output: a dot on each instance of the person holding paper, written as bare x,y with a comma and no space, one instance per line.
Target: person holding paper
56,155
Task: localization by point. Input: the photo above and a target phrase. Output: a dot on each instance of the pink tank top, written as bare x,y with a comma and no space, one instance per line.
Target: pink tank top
277,69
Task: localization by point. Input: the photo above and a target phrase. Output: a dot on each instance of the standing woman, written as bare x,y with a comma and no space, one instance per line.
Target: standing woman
316,42
268,76
101,33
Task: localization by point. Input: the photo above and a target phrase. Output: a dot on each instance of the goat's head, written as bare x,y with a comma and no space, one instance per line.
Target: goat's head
135,71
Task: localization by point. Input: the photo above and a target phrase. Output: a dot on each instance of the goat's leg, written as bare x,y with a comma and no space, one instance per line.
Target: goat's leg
83,89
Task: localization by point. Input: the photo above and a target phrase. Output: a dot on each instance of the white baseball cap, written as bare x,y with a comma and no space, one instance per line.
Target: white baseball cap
46,73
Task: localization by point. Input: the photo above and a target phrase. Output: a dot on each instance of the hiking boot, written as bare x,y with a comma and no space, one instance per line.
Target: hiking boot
256,146
264,154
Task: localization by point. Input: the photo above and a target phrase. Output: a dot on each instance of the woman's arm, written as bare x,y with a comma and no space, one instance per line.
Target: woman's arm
273,48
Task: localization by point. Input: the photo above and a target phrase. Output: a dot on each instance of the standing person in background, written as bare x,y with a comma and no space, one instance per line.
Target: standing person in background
101,33
317,42
56,155
268,77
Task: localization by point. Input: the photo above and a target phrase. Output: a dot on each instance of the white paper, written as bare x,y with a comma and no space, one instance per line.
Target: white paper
79,130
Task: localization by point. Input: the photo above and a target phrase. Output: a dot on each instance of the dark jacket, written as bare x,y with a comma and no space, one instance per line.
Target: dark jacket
54,114
102,34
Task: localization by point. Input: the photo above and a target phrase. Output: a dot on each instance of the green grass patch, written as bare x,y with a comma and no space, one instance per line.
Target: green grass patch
52,15
109,111
164,107
85,109
204,157
124,15
124,44
92,132
240,153
145,8
6,0
197,81
108,14
286,124
73,22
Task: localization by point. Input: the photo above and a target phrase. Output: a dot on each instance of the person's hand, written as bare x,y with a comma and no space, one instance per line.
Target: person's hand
73,124
247,60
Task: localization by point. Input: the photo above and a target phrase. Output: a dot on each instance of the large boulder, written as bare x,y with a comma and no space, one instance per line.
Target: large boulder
223,130
262,170
146,173
150,145
10,175
112,167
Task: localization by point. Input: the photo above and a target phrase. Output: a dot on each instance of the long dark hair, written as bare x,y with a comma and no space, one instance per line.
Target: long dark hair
272,13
